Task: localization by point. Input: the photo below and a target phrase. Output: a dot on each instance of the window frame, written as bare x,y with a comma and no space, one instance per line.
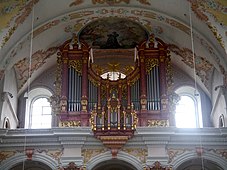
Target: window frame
31,97
195,96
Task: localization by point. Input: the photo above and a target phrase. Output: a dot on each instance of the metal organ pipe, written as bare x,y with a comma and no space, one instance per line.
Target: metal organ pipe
153,94
69,92
135,93
74,90
93,95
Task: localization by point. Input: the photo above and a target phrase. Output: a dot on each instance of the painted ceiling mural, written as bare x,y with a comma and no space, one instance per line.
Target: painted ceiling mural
13,13
210,10
113,33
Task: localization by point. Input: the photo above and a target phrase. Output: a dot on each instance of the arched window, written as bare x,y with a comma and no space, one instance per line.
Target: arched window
38,112
221,121
188,109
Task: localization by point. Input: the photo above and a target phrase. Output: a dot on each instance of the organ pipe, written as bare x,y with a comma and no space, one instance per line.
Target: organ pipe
74,90
153,89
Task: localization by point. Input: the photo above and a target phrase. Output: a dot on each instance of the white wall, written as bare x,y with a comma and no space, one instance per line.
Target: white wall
9,106
218,100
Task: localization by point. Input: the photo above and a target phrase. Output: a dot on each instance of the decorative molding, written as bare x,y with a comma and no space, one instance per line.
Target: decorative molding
90,153
140,153
6,154
158,123
172,153
71,123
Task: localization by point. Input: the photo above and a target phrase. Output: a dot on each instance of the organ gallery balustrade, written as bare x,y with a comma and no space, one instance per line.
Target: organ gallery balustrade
113,124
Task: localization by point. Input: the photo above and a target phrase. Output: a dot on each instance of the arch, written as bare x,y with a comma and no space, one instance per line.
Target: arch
189,96
181,159
6,123
13,161
221,121
32,96
122,156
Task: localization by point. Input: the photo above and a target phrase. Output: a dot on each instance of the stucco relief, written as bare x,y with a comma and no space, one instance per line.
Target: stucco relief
6,154
212,10
140,153
173,153
203,67
23,67
90,153
141,16
13,13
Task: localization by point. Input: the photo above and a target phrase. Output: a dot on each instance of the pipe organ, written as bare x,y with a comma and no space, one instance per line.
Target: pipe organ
113,104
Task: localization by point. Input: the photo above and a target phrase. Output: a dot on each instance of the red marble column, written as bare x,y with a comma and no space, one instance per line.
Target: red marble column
64,75
84,91
143,88
64,88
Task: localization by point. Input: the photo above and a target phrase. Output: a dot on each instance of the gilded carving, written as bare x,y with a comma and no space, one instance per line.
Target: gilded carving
70,123
55,104
76,64
140,153
90,153
157,123
6,154
169,73
151,63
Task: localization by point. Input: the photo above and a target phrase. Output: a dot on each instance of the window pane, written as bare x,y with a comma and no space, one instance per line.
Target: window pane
186,113
41,114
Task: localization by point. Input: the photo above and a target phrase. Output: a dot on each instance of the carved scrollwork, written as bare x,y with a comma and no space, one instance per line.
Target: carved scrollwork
76,64
158,123
70,123
151,63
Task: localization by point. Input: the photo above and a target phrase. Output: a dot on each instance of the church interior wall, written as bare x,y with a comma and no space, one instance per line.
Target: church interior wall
9,96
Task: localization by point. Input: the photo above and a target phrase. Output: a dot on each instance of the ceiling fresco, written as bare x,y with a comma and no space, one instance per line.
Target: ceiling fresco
213,10
12,14
113,33
87,18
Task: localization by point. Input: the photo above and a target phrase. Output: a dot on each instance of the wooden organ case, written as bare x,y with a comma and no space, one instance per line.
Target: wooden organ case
113,107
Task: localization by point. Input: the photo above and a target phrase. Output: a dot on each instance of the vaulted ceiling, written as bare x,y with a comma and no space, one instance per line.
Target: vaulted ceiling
32,30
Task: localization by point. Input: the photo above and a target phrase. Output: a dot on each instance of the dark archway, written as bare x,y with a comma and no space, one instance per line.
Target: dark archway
114,165
198,164
31,165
